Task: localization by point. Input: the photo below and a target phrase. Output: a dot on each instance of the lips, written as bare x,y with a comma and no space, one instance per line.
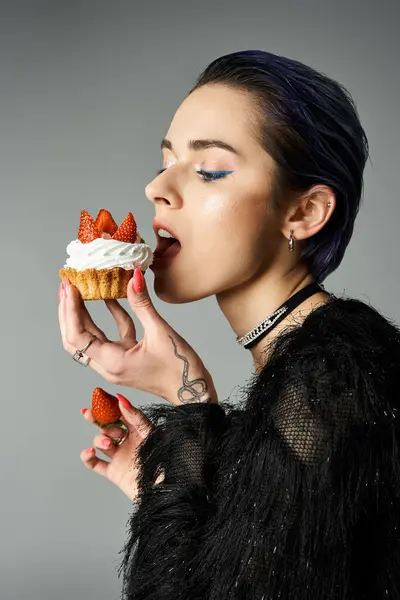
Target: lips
166,247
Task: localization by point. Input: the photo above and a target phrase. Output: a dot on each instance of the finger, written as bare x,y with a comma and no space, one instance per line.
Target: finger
126,327
76,316
63,326
92,462
96,367
140,301
113,433
87,414
61,320
100,352
71,349
133,418
105,444
61,317
89,323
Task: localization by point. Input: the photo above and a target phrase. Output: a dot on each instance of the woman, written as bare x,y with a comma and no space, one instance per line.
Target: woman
294,492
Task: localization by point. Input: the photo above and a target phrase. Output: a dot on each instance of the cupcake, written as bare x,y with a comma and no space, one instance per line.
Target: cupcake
101,261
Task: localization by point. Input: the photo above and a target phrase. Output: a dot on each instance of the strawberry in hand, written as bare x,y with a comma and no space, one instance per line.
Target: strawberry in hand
105,409
122,467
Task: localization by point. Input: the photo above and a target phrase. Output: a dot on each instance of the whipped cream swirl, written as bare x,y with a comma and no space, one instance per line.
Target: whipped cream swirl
104,253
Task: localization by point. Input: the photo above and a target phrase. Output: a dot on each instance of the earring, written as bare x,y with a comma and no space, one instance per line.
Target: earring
291,241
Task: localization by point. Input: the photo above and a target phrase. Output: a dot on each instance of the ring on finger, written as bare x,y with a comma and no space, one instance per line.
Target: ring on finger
119,441
80,354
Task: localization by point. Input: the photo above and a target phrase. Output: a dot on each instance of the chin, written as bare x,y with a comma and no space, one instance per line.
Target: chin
173,294
179,289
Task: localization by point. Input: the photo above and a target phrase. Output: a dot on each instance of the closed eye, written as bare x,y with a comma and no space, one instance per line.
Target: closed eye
207,176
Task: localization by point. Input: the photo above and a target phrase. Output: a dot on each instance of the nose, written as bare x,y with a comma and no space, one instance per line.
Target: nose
161,190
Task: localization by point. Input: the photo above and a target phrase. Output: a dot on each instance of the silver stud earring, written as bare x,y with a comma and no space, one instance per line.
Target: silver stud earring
291,241
329,203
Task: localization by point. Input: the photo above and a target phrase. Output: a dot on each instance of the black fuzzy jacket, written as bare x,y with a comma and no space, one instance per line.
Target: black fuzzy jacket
293,493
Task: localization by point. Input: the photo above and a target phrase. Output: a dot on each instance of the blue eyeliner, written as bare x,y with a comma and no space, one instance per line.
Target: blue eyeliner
208,176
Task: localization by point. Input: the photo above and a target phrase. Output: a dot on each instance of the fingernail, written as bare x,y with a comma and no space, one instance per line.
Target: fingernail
106,443
60,291
138,281
83,411
89,450
125,402
66,287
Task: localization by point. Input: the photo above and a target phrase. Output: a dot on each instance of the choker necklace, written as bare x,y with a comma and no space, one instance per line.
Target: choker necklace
261,330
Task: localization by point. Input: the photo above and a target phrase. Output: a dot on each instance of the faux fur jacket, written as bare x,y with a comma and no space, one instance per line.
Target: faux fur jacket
292,493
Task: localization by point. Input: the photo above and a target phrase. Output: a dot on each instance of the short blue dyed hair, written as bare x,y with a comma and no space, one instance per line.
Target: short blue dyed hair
310,127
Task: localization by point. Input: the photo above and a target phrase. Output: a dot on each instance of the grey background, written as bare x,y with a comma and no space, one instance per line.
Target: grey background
87,92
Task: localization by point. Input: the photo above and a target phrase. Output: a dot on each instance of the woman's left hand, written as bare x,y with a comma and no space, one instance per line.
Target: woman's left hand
161,363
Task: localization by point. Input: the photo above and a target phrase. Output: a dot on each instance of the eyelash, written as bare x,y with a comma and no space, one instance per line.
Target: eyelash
214,174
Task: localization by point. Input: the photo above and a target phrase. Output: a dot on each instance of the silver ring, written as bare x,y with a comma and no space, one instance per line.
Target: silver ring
121,439
80,354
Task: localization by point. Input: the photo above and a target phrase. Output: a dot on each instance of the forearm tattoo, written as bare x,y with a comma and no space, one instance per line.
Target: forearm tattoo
194,390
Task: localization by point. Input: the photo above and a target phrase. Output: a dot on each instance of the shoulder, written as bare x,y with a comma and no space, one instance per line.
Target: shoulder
344,334
353,320
355,336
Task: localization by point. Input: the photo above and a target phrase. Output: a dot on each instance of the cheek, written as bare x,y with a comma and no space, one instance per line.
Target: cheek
215,207
233,220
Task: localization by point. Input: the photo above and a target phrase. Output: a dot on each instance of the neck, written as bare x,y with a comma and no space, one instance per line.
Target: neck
248,304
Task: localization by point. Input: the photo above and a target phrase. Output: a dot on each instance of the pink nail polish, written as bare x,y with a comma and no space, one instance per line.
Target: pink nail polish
106,443
138,281
83,411
60,291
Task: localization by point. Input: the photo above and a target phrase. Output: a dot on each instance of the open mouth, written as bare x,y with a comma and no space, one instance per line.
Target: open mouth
167,247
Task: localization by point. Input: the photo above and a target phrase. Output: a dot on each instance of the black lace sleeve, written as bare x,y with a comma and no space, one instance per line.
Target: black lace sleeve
181,454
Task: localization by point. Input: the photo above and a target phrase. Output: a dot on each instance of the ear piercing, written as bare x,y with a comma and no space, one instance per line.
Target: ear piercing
291,236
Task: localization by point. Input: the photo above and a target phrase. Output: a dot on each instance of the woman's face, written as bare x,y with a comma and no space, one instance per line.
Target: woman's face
222,218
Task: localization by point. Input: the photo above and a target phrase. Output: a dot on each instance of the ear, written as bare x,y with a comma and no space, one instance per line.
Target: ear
310,213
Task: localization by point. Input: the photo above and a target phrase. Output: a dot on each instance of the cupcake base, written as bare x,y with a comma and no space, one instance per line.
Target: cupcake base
99,284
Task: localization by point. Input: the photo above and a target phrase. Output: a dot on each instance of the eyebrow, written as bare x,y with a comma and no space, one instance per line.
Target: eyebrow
202,145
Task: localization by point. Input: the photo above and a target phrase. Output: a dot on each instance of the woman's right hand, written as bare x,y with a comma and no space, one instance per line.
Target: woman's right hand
122,468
